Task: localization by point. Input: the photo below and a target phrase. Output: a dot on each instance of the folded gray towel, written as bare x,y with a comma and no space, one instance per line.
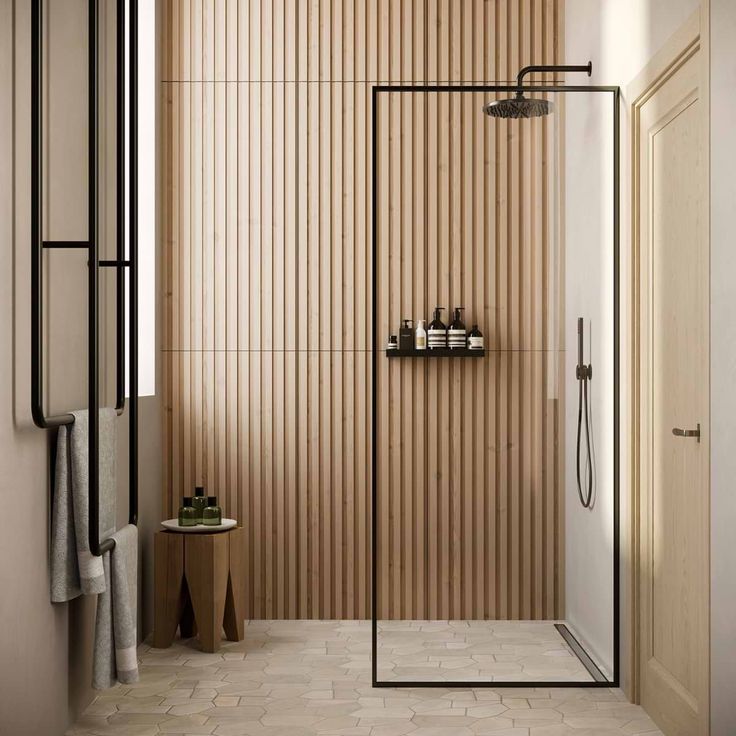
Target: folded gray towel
74,570
116,637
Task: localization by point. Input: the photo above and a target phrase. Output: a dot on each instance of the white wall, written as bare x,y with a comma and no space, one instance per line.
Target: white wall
723,367
45,666
619,37
150,420
589,294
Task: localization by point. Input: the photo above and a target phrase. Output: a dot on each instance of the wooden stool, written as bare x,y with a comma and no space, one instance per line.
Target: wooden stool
199,585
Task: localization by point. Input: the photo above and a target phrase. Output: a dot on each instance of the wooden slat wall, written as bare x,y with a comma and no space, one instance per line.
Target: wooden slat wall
267,110
469,497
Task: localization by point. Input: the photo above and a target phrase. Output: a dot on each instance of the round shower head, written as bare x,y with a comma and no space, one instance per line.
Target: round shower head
519,107
522,107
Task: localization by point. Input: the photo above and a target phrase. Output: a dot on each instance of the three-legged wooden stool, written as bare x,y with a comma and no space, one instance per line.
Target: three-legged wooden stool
199,586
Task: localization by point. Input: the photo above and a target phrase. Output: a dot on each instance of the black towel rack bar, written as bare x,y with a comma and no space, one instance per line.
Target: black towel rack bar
65,244
133,272
97,547
93,275
120,204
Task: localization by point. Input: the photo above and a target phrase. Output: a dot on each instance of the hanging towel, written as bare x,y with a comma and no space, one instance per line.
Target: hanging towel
74,569
116,637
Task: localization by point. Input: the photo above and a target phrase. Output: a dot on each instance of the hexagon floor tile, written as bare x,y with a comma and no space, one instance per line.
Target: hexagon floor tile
476,651
312,678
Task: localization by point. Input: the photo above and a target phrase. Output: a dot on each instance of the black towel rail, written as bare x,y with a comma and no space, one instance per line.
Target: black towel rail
38,245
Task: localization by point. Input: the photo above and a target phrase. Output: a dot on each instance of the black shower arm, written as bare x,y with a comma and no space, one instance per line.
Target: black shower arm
552,68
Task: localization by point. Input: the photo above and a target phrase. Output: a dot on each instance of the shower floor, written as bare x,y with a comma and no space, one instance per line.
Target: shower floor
310,678
476,651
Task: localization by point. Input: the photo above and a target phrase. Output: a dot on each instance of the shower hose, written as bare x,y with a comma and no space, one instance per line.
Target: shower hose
585,490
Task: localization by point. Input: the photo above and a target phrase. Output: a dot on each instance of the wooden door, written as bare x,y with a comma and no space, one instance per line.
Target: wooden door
670,129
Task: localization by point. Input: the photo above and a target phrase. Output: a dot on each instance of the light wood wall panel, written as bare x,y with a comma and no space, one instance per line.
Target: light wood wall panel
469,494
267,110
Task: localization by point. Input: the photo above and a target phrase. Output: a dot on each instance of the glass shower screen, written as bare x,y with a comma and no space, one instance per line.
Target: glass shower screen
487,569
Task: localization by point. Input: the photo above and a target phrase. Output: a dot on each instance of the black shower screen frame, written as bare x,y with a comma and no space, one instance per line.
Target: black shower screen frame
615,93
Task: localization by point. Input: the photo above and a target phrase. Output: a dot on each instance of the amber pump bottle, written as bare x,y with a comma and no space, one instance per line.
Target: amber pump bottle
437,332
456,335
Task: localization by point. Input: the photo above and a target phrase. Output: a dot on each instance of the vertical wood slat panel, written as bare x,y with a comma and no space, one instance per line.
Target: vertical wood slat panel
268,313
522,380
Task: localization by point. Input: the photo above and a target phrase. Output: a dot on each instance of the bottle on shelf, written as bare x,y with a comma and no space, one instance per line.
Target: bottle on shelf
475,339
187,514
406,336
393,343
420,336
437,332
199,502
212,514
456,335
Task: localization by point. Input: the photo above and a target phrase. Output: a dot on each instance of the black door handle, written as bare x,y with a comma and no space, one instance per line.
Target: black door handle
687,432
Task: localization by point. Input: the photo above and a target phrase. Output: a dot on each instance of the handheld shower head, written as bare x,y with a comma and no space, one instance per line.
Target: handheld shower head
583,373
580,341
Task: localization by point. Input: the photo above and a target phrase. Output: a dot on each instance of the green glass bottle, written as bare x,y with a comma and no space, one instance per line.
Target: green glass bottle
187,514
199,502
212,515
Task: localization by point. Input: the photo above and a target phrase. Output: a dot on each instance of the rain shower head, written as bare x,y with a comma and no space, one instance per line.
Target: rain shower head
519,106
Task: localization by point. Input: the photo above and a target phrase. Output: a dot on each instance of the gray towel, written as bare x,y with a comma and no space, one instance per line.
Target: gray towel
74,570
116,637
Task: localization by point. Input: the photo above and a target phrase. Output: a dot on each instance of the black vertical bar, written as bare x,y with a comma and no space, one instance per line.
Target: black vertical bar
36,200
37,244
133,270
617,389
92,288
120,207
374,408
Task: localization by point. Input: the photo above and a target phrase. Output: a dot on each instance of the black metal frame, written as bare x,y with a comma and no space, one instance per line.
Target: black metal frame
38,245
491,88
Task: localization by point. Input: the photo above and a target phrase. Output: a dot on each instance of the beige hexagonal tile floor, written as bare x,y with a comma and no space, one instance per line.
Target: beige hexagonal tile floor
312,678
476,651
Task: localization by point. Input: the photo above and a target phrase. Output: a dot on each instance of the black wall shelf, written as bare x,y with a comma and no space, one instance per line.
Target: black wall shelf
436,353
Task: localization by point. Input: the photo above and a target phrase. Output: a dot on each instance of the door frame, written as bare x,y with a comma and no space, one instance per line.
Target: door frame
691,37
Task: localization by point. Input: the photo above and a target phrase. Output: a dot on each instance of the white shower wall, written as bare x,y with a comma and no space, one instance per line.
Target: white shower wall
589,293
